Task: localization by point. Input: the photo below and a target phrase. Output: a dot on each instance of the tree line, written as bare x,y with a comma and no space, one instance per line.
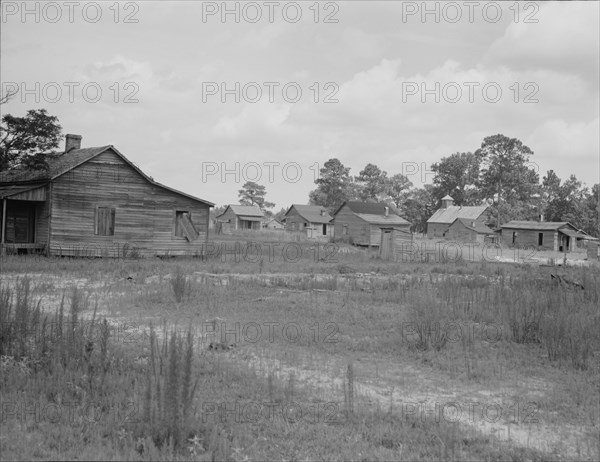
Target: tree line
499,174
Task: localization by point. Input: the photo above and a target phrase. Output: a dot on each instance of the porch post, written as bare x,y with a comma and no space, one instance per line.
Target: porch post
3,225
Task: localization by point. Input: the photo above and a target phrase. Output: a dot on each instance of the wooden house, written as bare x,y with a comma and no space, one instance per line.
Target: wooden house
360,223
273,223
559,236
313,220
396,243
445,216
464,230
96,202
241,217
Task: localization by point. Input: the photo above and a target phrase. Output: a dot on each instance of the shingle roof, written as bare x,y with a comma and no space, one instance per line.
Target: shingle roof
59,164
311,213
447,197
537,225
245,210
476,226
449,214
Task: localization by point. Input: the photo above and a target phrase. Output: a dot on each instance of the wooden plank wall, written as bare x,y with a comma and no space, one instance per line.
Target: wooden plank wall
230,215
144,215
358,229
529,238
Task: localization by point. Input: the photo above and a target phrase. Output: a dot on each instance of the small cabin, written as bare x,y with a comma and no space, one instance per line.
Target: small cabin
312,220
274,224
559,236
360,223
446,215
236,217
463,230
95,202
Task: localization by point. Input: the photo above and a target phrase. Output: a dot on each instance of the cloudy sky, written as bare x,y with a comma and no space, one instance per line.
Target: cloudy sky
363,81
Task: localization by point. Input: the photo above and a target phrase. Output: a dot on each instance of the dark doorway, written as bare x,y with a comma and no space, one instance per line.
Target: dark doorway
20,222
324,230
540,239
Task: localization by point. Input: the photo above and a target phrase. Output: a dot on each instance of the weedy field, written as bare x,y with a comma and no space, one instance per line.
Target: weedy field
298,358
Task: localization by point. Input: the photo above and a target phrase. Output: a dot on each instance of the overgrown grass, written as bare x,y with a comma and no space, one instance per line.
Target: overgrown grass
523,323
158,400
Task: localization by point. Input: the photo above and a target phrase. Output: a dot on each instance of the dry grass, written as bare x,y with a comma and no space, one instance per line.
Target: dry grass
159,395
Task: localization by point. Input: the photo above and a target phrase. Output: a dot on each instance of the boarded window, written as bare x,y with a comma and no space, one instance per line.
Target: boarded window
105,221
184,226
345,231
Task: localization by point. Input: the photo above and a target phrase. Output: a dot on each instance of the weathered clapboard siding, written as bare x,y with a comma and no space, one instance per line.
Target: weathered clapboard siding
396,244
459,232
529,238
144,212
358,230
42,218
294,222
438,229
230,216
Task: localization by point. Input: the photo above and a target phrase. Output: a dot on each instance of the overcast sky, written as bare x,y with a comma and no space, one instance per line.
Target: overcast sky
529,72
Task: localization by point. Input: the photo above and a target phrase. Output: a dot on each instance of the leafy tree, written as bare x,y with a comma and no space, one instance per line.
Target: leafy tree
334,186
397,187
566,201
505,176
254,194
417,206
372,182
457,175
591,224
24,141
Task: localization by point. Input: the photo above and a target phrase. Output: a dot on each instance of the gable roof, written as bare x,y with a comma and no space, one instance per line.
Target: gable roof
476,226
369,208
537,225
311,213
374,213
245,210
275,220
449,214
59,164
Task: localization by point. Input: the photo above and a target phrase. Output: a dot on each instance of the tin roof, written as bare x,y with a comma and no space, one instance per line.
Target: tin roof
449,214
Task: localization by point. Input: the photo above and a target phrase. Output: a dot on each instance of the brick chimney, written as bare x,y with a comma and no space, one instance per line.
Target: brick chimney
72,142
322,212
386,211
541,217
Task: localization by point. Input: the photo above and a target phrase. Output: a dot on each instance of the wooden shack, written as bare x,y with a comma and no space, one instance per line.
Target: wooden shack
313,220
463,230
236,217
396,243
360,223
95,202
447,214
559,236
